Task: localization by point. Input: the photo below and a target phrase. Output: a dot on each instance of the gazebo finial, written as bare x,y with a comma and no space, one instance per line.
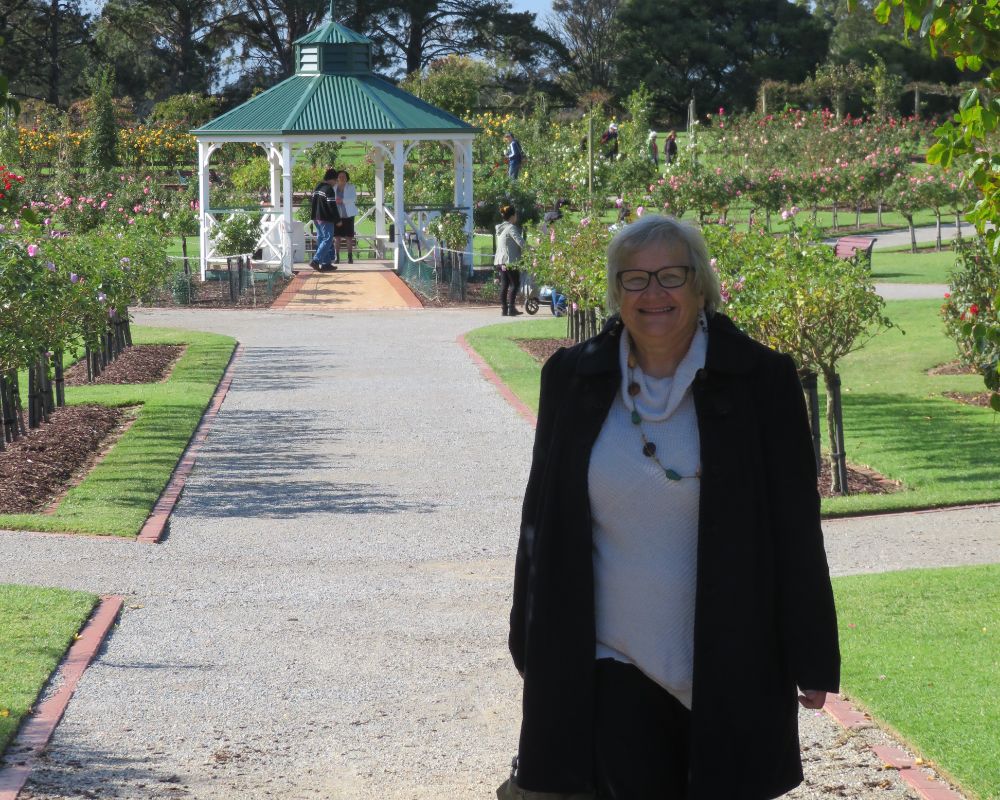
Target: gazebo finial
332,17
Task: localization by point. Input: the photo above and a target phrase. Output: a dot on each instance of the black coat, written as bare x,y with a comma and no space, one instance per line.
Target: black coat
323,206
764,612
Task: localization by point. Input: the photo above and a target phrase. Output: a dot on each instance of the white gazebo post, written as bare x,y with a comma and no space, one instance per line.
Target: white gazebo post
399,215
468,203
204,154
380,229
274,160
463,192
287,254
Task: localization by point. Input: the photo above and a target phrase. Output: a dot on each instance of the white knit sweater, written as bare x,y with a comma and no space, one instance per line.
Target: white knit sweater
646,526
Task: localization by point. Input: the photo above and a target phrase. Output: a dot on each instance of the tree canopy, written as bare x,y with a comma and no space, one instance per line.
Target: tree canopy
717,51
587,52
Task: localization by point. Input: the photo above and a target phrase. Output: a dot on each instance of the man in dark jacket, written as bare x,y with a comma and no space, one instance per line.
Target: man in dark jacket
323,211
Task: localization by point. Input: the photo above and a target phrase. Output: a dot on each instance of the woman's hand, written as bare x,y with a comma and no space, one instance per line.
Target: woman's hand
812,698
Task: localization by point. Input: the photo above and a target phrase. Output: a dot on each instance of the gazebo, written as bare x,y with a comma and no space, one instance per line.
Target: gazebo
334,97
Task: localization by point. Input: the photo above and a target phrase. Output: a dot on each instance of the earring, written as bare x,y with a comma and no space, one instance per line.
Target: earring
702,321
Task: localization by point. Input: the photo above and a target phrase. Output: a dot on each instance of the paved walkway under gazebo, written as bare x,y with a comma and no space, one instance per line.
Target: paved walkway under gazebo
366,286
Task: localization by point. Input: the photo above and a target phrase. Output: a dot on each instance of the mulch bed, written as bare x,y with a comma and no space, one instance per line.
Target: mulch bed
215,294
141,363
542,349
474,296
40,466
951,368
860,480
981,399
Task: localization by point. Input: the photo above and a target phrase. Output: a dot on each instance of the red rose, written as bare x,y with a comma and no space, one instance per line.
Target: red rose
973,309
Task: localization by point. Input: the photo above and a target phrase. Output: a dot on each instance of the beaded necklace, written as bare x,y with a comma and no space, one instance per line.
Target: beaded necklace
648,447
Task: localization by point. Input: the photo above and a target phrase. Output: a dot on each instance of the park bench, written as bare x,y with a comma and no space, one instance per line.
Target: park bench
848,247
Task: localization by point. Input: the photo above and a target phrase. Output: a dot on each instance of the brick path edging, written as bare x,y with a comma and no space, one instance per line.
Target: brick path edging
156,524
836,707
505,392
38,728
294,286
894,758
404,291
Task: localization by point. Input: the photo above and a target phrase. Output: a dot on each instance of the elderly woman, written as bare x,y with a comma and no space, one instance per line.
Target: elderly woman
671,596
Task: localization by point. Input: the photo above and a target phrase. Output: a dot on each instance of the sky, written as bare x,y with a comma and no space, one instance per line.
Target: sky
540,7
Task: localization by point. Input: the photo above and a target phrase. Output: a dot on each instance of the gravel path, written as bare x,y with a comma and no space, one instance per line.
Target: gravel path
326,618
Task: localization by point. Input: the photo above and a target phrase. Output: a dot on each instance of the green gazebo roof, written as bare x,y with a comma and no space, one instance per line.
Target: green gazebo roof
333,33
333,90
306,104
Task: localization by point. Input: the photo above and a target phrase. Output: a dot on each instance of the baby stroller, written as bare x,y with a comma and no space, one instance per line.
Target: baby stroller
534,296
555,301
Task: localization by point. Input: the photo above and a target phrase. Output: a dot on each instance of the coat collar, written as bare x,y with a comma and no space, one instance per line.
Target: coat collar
730,351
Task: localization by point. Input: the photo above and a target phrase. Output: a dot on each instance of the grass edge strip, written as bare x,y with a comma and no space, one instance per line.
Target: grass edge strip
155,526
490,375
36,731
850,716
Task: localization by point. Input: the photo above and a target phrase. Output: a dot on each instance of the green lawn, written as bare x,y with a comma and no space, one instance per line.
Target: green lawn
118,494
921,652
925,266
36,628
896,419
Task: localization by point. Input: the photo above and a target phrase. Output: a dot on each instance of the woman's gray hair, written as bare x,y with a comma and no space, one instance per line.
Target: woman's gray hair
654,229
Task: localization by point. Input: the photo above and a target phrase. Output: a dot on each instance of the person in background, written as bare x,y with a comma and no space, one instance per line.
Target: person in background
609,142
510,242
324,214
670,147
347,196
654,150
552,216
672,599
513,154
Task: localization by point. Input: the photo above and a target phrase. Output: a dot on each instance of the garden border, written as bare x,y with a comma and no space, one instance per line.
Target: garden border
840,710
928,787
293,288
37,729
505,391
155,526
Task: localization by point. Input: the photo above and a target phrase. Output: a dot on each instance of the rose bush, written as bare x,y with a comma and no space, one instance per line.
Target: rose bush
792,293
972,307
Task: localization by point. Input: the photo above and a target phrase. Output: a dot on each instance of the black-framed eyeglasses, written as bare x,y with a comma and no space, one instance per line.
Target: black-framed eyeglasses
636,280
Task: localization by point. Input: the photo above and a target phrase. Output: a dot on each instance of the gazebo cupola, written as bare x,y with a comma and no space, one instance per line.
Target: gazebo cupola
335,97
333,50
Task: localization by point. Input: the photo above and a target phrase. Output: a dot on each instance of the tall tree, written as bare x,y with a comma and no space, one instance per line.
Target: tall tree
412,34
715,50
102,148
165,47
845,29
588,32
46,48
267,30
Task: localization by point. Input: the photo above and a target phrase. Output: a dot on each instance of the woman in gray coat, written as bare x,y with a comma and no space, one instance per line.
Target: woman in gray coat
510,242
